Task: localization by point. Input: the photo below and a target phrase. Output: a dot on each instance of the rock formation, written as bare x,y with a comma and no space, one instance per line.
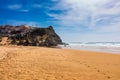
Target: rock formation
29,36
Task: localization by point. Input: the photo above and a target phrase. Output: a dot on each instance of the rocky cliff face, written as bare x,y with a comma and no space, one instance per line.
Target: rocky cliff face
29,36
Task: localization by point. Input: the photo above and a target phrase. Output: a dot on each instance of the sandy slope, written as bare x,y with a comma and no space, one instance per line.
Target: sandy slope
34,63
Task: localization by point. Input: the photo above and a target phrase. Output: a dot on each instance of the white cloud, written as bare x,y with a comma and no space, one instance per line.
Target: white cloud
89,13
14,6
17,7
113,27
28,23
20,7
24,10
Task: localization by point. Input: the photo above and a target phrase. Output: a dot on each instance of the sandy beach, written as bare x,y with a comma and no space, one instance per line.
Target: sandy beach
37,63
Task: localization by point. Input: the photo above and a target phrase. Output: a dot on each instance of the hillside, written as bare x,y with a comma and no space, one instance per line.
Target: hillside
29,36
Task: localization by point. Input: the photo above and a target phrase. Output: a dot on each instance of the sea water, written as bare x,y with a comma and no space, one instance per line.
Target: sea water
110,47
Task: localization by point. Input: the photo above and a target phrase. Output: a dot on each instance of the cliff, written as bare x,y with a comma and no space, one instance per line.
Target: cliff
29,36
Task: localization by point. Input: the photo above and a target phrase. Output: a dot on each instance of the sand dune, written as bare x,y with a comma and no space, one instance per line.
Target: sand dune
36,63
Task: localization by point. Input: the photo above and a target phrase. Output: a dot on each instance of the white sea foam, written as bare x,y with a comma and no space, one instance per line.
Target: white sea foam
104,44
111,47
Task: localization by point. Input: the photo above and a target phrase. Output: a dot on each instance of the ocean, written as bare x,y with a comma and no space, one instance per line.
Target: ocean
110,47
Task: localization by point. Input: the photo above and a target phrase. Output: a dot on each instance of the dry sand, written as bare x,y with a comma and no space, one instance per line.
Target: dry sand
36,63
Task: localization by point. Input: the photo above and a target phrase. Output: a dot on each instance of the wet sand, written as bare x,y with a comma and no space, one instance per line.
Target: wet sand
36,63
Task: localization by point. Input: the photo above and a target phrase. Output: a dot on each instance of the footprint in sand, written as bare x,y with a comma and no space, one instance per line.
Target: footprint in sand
95,68
88,66
98,70
108,77
73,79
104,74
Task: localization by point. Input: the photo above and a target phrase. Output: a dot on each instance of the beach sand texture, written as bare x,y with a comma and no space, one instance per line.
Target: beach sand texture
36,63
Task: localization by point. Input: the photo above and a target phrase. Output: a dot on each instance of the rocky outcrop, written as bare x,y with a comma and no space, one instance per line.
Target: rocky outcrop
30,36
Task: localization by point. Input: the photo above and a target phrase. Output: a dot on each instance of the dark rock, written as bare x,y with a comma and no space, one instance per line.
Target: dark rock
30,36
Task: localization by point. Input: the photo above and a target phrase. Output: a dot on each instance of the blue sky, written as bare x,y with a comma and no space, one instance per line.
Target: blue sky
73,20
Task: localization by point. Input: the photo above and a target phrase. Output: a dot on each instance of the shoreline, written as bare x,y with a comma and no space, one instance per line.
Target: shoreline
4,52
104,49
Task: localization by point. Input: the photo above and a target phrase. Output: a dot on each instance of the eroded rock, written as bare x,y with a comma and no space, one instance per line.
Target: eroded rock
30,36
